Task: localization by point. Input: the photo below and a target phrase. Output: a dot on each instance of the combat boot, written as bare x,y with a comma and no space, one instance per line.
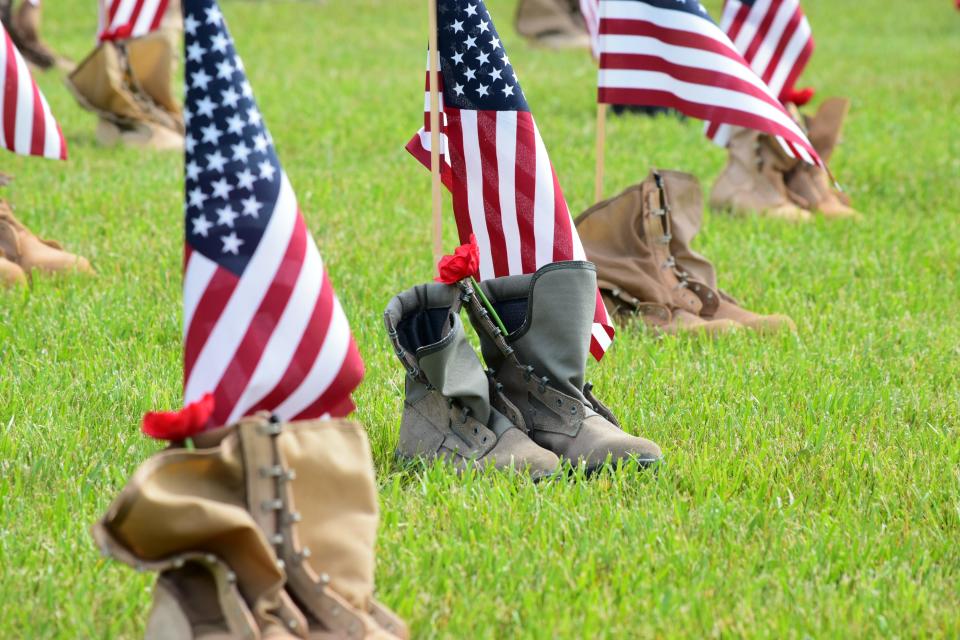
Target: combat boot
628,239
24,29
20,245
685,208
552,23
753,180
541,363
105,84
814,184
262,530
447,410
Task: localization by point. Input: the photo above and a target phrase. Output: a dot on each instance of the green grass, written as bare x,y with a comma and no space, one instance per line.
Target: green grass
812,482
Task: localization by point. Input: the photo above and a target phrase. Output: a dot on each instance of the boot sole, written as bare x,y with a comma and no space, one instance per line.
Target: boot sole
405,459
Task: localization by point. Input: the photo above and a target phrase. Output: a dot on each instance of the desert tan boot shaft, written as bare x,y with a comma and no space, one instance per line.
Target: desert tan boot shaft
627,237
447,412
18,244
264,530
752,183
541,363
553,23
813,184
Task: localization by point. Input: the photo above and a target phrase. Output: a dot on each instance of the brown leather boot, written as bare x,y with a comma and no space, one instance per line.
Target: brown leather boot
541,363
447,412
20,245
23,25
813,184
753,180
627,237
552,23
685,206
106,84
263,530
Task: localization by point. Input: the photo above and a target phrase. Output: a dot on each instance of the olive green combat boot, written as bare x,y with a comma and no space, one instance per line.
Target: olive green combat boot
447,411
541,363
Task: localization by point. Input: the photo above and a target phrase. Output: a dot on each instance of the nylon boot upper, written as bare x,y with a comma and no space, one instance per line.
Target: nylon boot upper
18,244
553,23
447,410
541,363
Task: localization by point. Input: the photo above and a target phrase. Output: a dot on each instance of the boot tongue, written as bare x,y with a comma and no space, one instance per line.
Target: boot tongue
553,336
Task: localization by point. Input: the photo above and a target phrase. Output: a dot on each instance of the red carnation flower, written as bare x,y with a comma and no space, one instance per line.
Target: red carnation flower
179,425
801,97
464,263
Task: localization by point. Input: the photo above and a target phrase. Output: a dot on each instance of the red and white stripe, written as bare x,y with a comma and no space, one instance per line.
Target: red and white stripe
420,145
675,59
275,338
775,39
506,193
123,19
28,126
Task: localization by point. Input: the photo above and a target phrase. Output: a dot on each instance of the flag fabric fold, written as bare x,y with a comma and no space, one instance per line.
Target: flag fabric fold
505,190
28,126
670,53
263,329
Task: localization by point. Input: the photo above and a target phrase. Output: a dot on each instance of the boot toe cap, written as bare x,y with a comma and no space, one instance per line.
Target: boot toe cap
515,450
600,440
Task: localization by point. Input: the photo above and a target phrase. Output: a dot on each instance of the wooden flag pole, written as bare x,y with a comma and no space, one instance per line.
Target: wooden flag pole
435,134
601,148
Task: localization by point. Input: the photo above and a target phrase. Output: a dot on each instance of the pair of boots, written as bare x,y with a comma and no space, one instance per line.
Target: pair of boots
23,25
761,179
262,530
552,23
21,252
128,85
641,243
532,407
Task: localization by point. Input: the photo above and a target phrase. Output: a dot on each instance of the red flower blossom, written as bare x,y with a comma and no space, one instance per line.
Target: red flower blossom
179,425
800,97
464,263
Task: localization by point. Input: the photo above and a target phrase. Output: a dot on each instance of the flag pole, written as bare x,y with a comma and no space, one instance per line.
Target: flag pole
435,134
601,148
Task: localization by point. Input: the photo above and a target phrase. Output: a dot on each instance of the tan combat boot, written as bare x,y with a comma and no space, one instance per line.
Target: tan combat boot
753,180
24,29
20,245
813,184
263,530
552,23
685,206
628,239
105,84
541,363
447,410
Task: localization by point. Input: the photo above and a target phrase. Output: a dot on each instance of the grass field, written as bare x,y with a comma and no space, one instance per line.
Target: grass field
811,486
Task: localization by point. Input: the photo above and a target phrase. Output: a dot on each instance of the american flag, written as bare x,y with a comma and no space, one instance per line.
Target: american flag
122,19
670,53
263,329
775,39
29,127
505,190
